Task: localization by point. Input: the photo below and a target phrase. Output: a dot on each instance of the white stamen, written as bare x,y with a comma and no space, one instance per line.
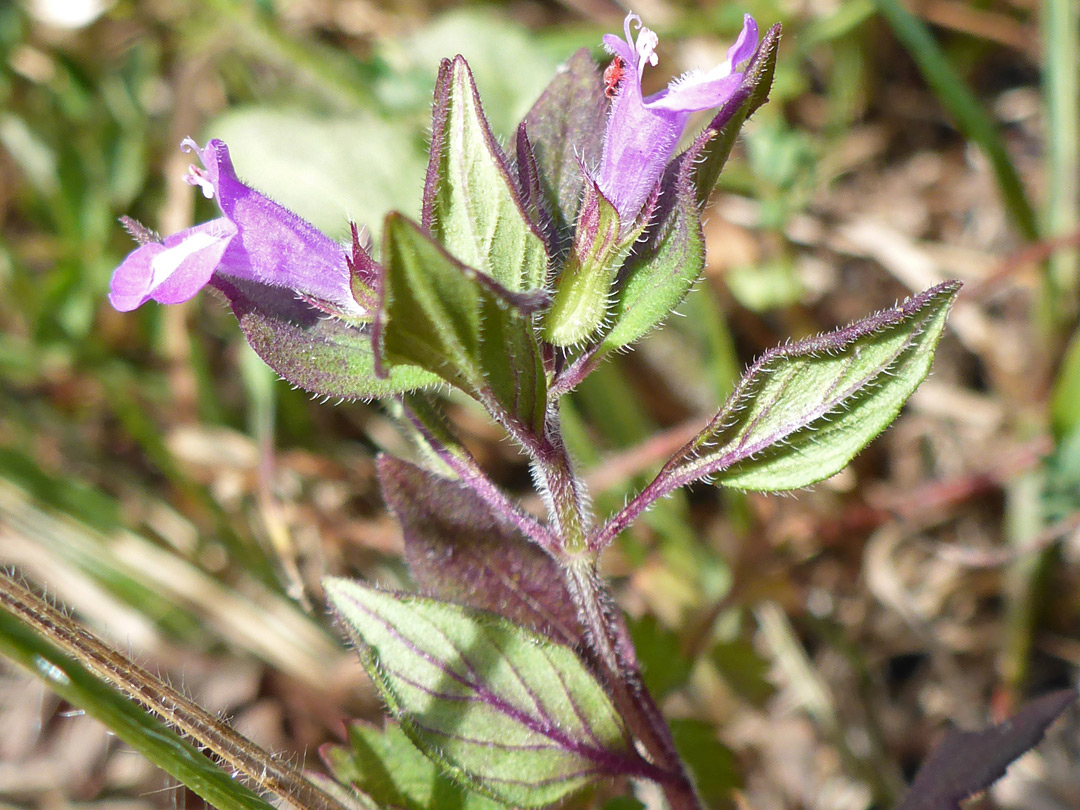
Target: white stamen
647,41
197,177
168,261
645,46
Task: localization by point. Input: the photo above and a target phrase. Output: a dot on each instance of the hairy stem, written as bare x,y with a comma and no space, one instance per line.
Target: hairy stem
605,630
609,640
430,426
236,751
561,487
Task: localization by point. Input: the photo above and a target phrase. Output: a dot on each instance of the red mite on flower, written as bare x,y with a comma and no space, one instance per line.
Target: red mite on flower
613,74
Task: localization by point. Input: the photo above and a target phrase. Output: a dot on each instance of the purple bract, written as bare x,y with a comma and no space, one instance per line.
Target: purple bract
642,133
256,239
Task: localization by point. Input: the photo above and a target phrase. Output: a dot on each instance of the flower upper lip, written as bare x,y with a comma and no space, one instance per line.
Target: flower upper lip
642,133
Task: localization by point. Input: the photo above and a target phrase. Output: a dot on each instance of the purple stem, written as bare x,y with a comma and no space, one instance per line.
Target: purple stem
609,640
606,634
666,481
571,376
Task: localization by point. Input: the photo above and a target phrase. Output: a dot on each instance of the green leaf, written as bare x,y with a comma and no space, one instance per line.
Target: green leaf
583,286
508,711
713,764
802,411
323,355
460,324
128,721
659,277
471,205
386,766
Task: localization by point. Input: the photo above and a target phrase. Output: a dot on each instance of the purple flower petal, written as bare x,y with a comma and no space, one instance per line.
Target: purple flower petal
273,246
642,133
171,271
257,240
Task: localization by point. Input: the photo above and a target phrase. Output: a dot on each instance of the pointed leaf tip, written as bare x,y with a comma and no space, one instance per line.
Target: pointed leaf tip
471,203
802,411
966,762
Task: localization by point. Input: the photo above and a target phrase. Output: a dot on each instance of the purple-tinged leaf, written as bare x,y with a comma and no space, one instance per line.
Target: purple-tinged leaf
509,712
460,550
718,138
324,355
472,205
459,323
434,436
967,762
802,411
566,127
530,186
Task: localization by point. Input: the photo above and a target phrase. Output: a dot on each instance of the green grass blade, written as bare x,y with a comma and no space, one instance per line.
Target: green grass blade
964,107
1061,89
131,723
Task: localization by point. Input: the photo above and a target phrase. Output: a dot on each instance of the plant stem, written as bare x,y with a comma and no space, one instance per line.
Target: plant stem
431,427
609,641
605,630
562,489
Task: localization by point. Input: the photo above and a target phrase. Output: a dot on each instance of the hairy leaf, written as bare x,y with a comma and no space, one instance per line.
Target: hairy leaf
719,136
508,711
454,321
324,355
967,762
583,286
659,276
385,765
802,411
471,204
458,548
566,127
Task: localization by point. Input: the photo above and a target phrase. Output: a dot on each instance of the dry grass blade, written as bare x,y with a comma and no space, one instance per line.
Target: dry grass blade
260,767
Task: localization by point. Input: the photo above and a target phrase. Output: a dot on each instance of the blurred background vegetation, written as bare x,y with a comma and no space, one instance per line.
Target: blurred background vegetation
161,483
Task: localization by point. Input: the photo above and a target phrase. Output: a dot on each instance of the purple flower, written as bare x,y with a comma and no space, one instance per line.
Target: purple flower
256,239
642,133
